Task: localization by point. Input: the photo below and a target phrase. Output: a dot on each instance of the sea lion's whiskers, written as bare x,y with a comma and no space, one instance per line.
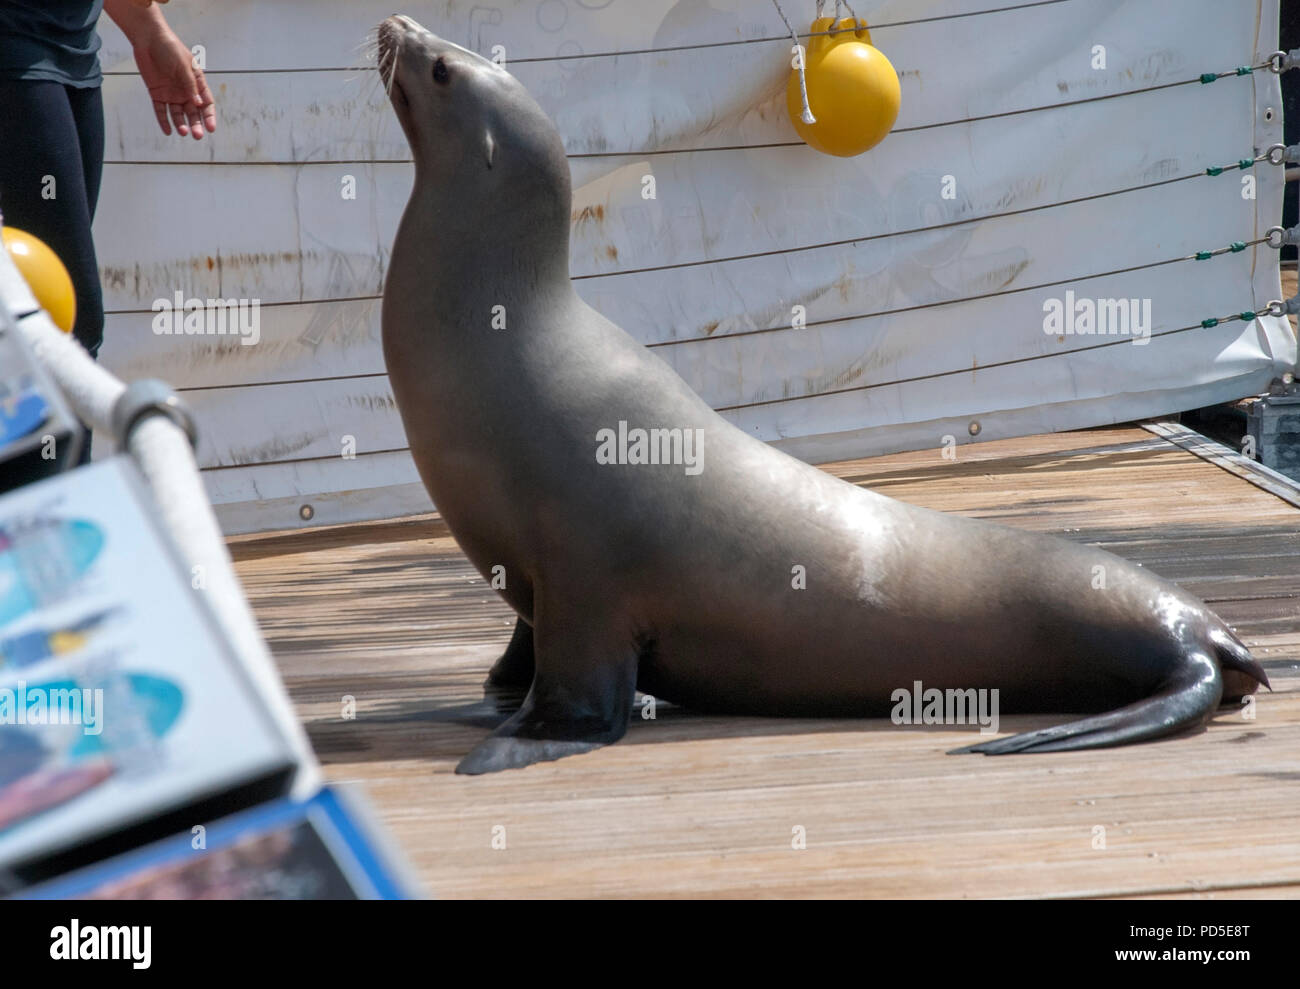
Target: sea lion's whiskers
384,59
367,50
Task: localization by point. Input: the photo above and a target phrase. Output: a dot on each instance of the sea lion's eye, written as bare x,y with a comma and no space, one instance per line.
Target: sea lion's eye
440,72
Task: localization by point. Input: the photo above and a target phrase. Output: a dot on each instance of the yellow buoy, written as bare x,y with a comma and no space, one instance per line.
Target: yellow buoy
44,274
853,90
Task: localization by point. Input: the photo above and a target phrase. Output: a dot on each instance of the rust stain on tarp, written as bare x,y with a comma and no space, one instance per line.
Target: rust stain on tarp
845,285
1162,169
277,448
775,318
594,212
845,377
145,282
1007,274
373,403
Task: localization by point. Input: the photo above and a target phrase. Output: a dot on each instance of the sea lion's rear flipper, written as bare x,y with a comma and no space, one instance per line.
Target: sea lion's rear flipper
581,699
1241,674
1185,701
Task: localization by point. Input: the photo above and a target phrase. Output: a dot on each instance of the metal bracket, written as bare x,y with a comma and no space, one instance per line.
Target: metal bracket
146,397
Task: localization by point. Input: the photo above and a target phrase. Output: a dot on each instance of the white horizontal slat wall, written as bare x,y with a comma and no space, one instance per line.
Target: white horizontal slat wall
923,314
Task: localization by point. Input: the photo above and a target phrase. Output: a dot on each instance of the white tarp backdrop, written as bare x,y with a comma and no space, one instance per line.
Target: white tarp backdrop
924,314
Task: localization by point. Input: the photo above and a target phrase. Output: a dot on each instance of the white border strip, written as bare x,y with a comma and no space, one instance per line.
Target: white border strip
1265,478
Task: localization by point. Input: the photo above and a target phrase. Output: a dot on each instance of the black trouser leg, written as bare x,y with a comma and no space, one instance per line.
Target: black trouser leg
51,160
51,163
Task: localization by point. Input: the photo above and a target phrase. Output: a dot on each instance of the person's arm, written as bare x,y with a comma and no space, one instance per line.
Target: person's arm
176,85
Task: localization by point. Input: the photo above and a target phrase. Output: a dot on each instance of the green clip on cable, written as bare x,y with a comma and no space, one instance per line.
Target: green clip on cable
1243,164
1240,70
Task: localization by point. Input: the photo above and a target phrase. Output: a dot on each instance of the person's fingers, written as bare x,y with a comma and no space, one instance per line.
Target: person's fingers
178,119
160,111
195,119
205,100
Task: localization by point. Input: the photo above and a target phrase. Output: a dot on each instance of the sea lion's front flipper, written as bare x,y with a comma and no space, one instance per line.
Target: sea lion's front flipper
515,666
581,698
1186,701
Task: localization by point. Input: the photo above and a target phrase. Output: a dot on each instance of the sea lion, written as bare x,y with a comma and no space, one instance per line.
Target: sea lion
647,543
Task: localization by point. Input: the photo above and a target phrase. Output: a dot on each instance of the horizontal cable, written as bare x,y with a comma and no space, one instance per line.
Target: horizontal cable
303,460
827,322
649,153
883,25
792,398
865,238
261,305
920,307
965,370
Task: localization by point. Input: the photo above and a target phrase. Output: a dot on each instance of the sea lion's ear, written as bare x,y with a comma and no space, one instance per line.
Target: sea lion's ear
489,147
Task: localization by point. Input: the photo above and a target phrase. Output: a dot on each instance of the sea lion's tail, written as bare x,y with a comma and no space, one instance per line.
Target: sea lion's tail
1187,699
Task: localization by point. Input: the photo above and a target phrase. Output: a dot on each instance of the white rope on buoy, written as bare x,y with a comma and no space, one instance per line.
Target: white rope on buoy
807,115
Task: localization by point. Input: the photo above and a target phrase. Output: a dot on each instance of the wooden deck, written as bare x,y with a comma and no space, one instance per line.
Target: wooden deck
686,805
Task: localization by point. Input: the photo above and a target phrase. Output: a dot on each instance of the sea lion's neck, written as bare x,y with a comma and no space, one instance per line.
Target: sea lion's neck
465,259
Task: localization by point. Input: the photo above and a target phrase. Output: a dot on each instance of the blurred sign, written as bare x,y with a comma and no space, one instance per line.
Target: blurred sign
124,715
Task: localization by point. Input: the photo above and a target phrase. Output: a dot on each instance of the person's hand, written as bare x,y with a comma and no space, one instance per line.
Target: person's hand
146,3
176,86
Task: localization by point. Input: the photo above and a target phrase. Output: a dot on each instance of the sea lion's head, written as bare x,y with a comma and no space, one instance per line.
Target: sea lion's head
476,135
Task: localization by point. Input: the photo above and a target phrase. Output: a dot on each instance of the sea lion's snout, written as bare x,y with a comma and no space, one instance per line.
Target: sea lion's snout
411,58
403,39
446,97
471,126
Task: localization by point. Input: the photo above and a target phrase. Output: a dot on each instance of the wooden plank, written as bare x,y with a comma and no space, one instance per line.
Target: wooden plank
1221,456
693,806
